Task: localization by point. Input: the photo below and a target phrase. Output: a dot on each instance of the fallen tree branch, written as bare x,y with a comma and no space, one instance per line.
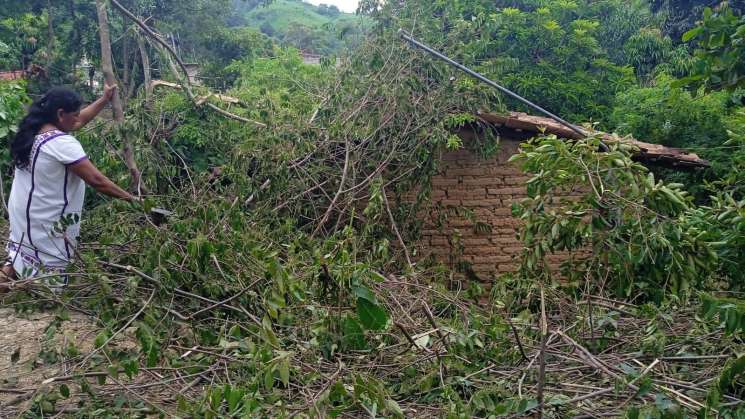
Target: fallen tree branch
225,301
395,228
345,172
121,329
187,88
200,99
542,356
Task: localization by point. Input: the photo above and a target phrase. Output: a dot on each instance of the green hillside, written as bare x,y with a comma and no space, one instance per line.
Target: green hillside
312,28
282,14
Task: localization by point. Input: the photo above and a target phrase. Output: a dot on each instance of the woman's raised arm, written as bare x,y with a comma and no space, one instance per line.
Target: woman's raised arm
90,111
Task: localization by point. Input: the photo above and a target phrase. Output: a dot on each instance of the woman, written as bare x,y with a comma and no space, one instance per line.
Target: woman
46,198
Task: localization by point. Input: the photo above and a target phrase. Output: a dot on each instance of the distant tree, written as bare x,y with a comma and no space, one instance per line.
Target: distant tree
668,115
267,29
310,39
22,35
328,10
646,50
227,45
239,8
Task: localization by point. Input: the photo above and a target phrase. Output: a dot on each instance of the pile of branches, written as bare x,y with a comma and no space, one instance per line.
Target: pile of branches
442,354
271,291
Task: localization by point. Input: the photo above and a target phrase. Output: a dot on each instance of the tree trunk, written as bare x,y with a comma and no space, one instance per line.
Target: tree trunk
131,84
125,64
116,102
145,65
129,77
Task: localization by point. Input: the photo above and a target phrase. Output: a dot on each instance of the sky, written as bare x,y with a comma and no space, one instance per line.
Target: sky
348,6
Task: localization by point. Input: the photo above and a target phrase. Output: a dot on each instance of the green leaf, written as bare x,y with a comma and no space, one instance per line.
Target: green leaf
284,371
663,403
633,413
148,204
46,406
393,407
354,336
526,405
100,339
731,373
152,356
216,397
376,276
269,379
234,397
692,33
15,356
268,333
64,391
131,367
372,316
365,293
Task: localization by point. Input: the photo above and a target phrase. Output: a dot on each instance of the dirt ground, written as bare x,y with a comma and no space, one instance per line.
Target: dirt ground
22,339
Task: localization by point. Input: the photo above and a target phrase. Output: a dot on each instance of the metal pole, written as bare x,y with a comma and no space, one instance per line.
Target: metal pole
493,84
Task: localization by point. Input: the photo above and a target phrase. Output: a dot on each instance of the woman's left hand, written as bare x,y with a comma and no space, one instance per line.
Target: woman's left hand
108,92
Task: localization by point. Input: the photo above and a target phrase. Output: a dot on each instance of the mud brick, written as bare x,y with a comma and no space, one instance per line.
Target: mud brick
477,241
506,222
512,249
441,181
508,267
454,222
465,171
490,202
468,194
483,213
439,241
450,202
480,181
516,180
494,259
511,191
440,251
461,154
483,268
438,194
502,211
486,250
504,170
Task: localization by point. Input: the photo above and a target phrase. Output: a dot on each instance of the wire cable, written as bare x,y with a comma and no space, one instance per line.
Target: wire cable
495,85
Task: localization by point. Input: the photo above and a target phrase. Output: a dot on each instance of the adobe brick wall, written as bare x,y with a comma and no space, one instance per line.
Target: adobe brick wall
470,217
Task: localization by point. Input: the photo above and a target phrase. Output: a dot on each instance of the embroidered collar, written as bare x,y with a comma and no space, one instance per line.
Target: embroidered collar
43,138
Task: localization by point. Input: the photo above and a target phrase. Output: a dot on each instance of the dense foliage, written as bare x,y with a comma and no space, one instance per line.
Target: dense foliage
721,37
13,98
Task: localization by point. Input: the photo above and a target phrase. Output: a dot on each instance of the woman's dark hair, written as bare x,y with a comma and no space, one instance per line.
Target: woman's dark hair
42,111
